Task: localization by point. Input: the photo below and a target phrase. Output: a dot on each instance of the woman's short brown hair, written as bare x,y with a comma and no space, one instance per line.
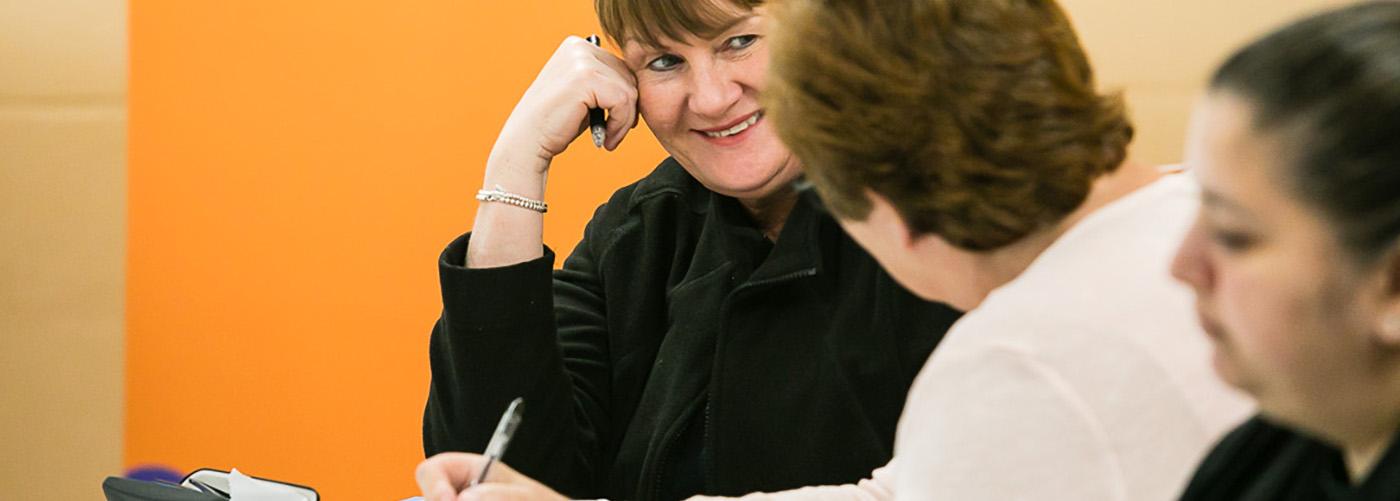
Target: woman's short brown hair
651,21
978,119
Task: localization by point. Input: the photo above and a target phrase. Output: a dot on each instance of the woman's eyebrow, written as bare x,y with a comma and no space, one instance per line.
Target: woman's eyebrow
1215,200
730,24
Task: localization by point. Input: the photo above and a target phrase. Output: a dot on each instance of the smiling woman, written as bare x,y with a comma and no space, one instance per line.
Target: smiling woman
708,307
699,95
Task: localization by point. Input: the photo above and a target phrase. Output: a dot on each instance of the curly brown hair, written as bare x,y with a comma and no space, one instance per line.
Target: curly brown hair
978,119
651,21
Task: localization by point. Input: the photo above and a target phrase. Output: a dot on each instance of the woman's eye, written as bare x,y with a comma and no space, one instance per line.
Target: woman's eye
740,42
1233,241
664,63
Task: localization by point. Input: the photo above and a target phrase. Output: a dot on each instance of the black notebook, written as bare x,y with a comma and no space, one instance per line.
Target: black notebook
205,484
126,489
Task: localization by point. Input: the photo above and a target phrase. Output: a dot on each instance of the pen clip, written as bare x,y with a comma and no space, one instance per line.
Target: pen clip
505,429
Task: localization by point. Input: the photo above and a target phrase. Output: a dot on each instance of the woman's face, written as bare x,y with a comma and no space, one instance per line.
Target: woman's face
699,96
1291,316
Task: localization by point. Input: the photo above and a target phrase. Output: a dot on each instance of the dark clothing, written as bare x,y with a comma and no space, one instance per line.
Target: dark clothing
676,326
1262,461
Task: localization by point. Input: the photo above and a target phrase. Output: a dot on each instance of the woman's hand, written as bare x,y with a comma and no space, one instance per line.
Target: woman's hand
446,477
554,110
551,114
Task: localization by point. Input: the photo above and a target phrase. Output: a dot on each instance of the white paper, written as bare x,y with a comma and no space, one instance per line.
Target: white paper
245,488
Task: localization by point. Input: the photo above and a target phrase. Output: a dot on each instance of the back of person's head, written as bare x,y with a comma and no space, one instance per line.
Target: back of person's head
1329,87
978,120
651,22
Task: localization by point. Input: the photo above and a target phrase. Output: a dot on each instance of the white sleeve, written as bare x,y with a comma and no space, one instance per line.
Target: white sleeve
996,423
875,488
988,424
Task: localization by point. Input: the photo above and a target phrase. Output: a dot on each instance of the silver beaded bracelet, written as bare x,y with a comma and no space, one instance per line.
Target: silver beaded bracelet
501,195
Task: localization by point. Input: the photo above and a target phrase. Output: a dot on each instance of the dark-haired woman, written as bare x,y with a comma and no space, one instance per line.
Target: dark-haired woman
1295,258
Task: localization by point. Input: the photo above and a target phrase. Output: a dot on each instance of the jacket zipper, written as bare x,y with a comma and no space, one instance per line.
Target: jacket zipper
665,450
809,272
705,439
709,395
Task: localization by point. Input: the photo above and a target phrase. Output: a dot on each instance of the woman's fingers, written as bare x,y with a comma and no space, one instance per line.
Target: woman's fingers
502,484
621,104
441,477
549,117
448,477
618,96
500,492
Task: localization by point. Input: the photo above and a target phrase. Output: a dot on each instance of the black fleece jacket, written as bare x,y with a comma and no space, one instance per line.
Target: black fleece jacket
792,358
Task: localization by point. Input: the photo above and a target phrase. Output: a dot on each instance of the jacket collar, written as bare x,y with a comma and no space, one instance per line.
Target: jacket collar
798,249
670,178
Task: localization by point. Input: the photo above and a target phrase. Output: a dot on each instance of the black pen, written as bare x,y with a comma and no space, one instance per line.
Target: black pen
597,123
501,438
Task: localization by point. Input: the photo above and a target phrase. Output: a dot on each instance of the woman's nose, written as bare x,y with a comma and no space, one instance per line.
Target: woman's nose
1191,264
713,92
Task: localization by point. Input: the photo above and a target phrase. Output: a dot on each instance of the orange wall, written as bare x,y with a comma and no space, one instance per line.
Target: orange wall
295,168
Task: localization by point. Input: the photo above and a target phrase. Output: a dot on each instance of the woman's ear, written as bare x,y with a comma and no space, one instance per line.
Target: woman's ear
1388,327
888,219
